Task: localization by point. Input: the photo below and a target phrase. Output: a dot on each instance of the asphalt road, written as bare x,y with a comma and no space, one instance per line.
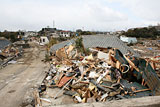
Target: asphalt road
16,79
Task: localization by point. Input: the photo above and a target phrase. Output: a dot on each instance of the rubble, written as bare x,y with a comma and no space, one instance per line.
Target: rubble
9,52
147,48
104,75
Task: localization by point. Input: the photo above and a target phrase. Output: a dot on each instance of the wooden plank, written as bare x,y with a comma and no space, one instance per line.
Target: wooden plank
131,63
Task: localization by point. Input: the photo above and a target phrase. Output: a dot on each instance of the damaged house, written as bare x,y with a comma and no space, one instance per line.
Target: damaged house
8,52
111,71
93,41
4,43
44,40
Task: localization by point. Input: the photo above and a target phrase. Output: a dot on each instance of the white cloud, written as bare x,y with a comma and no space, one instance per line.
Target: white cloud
146,10
73,14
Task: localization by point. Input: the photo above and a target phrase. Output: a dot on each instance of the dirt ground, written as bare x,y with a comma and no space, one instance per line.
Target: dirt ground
19,78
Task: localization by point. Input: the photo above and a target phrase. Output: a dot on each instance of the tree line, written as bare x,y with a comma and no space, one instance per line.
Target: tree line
12,36
146,32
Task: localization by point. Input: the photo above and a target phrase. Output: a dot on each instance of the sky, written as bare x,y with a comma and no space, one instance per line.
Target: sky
94,15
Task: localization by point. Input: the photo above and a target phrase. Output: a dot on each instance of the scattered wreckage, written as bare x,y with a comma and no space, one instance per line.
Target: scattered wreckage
104,75
9,53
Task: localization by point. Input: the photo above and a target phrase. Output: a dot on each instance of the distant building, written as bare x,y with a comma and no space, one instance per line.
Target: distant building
65,33
43,40
54,35
128,39
119,32
30,33
48,32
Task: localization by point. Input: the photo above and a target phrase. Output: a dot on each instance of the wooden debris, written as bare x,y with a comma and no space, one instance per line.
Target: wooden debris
90,79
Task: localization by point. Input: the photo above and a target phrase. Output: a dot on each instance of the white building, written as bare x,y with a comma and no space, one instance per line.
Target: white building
30,33
43,40
65,33
54,35
128,39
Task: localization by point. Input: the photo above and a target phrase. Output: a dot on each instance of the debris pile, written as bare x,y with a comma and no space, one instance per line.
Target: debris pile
106,74
9,53
152,43
155,63
147,48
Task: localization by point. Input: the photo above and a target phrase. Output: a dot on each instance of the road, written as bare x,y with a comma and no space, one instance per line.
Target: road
16,79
